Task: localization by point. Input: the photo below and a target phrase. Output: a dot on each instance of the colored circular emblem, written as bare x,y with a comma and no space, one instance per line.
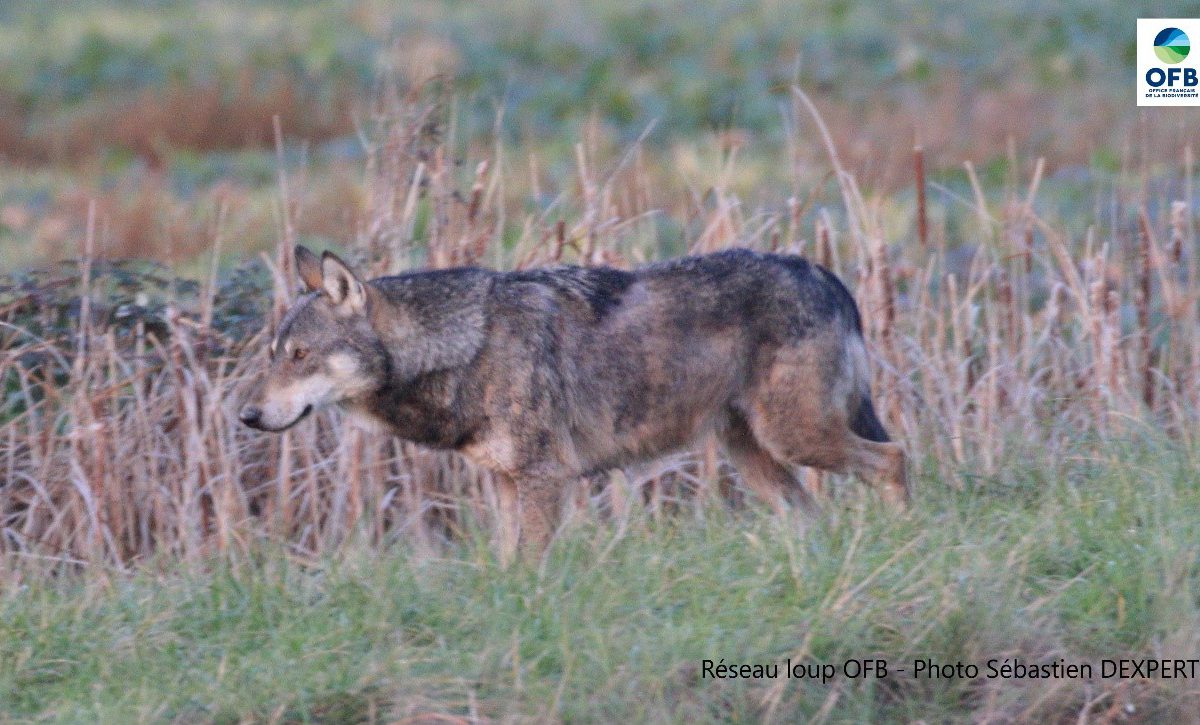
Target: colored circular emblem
1171,45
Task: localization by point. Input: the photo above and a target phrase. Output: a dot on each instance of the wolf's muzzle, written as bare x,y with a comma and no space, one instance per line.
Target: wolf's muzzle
252,416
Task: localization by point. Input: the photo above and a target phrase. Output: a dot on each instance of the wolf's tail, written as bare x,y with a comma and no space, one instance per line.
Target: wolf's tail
863,420
865,423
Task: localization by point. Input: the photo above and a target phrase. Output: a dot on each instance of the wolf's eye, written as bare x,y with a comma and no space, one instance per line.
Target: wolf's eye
299,353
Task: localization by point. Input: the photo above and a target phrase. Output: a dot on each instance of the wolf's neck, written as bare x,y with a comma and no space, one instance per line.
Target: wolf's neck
431,330
427,410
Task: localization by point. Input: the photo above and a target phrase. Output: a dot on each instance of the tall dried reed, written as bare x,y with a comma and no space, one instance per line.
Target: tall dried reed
1010,337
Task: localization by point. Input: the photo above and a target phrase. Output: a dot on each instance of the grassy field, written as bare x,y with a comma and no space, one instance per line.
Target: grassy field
1028,278
1085,560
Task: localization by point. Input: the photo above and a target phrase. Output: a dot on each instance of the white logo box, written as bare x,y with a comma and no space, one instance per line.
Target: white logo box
1162,83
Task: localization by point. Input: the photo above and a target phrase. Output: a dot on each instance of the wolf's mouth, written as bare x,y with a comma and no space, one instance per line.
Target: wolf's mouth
303,414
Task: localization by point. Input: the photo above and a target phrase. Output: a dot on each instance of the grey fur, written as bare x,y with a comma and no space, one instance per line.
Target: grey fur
543,376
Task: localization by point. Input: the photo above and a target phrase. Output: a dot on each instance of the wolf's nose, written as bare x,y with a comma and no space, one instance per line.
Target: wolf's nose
250,415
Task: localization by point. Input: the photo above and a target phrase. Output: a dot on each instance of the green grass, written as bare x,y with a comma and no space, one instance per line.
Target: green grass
691,65
1083,559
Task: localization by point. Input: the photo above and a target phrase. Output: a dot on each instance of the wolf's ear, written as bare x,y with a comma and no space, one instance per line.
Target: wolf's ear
308,266
342,285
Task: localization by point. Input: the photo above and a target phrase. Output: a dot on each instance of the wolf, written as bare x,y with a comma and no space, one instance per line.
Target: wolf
546,376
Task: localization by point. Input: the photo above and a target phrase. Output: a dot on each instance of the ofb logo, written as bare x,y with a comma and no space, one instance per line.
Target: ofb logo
1171,45
1166,68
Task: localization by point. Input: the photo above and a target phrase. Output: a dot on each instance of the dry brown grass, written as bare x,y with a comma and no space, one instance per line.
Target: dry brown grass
115,448
195,116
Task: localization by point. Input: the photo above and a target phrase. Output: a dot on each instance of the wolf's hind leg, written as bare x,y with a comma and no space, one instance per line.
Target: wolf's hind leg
764,475
830,445
883,465
801,418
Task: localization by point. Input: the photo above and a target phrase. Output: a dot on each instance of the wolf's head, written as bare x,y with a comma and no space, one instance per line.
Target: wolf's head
326,349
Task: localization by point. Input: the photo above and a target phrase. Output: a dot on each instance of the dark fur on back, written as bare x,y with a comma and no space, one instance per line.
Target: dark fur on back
600,287
619,362
820,287
542,376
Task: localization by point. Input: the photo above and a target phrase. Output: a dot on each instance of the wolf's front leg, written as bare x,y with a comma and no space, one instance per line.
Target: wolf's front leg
541,508
508,519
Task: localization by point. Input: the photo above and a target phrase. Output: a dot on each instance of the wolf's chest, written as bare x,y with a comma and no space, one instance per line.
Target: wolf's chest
492,452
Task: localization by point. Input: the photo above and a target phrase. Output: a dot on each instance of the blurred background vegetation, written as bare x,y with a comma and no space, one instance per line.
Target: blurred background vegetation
160,111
